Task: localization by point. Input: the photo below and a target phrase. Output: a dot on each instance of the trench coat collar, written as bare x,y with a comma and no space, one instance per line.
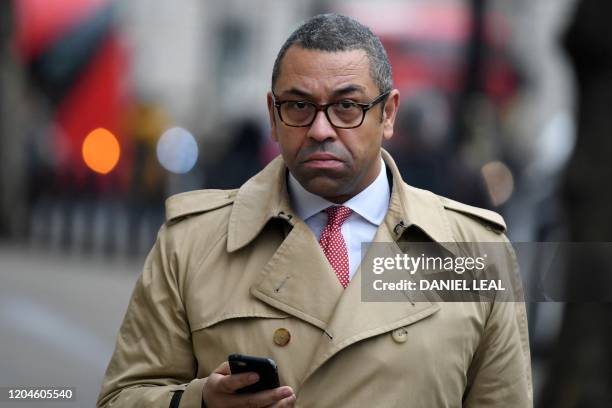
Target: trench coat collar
412,207
265,196
261,198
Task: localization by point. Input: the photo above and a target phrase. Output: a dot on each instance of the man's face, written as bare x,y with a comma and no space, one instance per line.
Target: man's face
330,162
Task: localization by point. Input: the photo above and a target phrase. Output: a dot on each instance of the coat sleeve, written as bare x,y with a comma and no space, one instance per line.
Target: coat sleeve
153,355
500,372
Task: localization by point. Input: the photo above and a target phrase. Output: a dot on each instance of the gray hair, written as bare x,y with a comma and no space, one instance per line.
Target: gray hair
335,32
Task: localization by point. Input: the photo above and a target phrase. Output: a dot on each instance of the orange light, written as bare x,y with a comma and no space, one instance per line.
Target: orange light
101,151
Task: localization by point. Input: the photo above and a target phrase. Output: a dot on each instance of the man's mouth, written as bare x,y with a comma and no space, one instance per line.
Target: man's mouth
322,160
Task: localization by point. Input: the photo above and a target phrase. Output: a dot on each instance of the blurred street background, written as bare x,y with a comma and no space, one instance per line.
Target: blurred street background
107,107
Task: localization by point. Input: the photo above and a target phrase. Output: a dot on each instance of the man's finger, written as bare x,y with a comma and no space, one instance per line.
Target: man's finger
288,402
266,398
231,383
223,368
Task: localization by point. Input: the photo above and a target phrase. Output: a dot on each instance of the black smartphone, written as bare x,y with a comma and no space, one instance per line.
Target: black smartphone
264,367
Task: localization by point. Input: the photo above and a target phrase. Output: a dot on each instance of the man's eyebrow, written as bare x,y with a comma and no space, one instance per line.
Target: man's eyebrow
349,89
345,90
295,92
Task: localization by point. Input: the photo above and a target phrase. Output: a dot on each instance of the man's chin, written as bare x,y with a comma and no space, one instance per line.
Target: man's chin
325,187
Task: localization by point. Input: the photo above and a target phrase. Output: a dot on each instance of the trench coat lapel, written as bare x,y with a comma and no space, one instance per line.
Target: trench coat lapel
299,280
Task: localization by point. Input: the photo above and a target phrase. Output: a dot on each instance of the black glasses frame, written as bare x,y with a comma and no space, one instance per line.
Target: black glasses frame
365,107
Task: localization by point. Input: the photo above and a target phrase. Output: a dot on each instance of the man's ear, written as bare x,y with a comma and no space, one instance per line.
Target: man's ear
390,113
272,116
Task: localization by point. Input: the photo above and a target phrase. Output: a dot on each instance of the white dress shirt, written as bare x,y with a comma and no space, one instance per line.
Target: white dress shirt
369,209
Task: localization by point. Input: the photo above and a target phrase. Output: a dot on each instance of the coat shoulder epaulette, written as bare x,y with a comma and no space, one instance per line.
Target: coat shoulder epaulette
491,219
183,205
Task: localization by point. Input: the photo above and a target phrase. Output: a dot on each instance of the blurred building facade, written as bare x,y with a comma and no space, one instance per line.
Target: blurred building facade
206,65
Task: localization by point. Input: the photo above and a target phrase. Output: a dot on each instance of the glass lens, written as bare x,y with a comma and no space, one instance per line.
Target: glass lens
297,112
345,113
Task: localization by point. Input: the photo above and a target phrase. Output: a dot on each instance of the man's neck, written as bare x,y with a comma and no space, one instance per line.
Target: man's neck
307,204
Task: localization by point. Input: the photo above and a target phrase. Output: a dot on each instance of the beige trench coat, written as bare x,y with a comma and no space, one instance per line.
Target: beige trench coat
229,268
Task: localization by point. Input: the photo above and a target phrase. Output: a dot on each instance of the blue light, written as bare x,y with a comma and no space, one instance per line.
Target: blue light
177,150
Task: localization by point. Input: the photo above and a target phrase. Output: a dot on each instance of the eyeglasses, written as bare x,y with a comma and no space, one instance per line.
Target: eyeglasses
343,115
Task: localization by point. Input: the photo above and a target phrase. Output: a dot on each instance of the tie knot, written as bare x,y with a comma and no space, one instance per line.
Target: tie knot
337,214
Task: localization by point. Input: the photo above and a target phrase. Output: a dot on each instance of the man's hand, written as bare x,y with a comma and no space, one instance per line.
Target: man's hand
220,386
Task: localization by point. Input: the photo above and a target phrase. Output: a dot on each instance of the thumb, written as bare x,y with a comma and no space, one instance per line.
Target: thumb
223,369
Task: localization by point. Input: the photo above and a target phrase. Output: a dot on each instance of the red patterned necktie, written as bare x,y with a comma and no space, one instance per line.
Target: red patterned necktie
333,243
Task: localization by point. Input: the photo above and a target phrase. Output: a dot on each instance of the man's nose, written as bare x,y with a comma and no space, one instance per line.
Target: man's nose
321,129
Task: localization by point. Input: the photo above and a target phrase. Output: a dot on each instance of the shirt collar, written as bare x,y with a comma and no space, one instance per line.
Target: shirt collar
371,203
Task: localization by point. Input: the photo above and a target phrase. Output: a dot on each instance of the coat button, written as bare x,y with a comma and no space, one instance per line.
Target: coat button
400,335
281,337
